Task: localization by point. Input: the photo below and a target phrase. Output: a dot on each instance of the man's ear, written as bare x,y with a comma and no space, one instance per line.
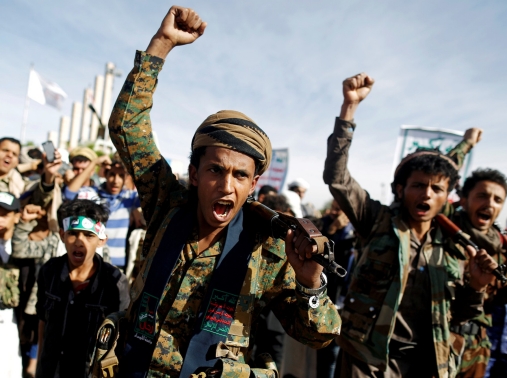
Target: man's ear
463,202
62,233
102,242
399,191
192,175
17,217
254,184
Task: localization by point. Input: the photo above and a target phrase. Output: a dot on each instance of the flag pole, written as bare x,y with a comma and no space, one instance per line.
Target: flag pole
26,107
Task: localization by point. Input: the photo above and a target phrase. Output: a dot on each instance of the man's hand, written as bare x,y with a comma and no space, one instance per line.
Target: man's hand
180,26
299,250
32,212
355,90
473,136
103,160
51,169
480,266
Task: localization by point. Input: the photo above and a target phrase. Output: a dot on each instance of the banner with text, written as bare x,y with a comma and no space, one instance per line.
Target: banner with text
413,137
277,171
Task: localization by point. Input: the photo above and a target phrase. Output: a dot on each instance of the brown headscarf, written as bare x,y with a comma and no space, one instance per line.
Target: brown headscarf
234,130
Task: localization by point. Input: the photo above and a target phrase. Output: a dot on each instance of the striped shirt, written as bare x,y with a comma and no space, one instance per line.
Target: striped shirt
120,206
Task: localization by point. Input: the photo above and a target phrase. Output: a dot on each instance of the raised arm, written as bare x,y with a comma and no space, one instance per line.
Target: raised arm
130,125
22,246
470,139
353,199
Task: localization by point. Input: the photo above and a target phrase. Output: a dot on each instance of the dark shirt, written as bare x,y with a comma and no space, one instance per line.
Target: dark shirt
413,318
72,318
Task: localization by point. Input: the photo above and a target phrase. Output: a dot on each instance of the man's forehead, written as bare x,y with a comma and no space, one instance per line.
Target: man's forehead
487,186
222,155
10,145
434,178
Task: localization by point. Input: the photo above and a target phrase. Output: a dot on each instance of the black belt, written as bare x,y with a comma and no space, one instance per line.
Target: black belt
469,328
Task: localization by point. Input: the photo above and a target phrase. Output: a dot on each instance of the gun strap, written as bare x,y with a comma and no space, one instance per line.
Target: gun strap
217,308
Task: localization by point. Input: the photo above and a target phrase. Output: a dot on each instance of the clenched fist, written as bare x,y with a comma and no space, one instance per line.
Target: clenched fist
32,212
180,26
473,136
355,90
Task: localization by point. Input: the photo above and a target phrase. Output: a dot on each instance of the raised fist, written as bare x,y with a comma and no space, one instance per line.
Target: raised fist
356,88
180,26
32,212
473,136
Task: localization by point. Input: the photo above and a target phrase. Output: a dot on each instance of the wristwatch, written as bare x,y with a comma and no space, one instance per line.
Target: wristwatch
313,294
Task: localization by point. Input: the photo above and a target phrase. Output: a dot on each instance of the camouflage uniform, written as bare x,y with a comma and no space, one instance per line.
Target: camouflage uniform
41,251
380,278
477,344
270,279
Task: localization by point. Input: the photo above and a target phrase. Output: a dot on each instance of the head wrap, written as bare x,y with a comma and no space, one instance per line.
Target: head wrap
234,130
299,183
79,222
413,155
83,151
416,154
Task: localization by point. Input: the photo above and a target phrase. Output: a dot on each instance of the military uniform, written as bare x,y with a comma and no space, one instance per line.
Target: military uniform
477,344
270,280
372,310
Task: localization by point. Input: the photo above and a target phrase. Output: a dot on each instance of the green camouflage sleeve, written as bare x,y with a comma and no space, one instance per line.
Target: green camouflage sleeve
458,153
315,327
22,247
131,132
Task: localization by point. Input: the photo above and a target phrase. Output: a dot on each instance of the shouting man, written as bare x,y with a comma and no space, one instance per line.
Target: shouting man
208,271
407,285
482,199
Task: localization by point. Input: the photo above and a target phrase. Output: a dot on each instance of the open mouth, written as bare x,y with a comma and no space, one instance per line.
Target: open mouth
484,216
78,255
423,207
222,208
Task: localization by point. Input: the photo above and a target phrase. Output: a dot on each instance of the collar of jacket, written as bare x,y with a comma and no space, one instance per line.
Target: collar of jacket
94,282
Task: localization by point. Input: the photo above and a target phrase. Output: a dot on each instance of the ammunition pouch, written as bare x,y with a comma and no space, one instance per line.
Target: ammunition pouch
470,328
229,368
105,361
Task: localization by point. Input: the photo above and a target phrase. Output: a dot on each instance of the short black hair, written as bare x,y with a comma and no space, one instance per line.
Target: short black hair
81,207
115,164
430,164
34,153
12,140
483,174
277,202
266,189
198,153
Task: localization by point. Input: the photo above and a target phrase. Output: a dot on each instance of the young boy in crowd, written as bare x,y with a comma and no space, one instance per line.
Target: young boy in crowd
76,292
10,358
33,241
122,203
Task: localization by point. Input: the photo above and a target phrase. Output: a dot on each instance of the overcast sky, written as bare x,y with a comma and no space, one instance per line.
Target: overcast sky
436,63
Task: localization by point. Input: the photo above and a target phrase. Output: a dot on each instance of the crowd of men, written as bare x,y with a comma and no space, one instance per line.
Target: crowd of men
111,266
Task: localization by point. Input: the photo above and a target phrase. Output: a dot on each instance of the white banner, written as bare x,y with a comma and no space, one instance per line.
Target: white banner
413,137
45,92
277,170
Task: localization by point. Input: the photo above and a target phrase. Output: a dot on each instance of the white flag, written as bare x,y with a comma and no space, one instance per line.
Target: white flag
45,92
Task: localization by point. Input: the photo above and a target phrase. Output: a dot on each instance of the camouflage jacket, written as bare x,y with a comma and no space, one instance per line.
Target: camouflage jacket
379,279
270,280
41,251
